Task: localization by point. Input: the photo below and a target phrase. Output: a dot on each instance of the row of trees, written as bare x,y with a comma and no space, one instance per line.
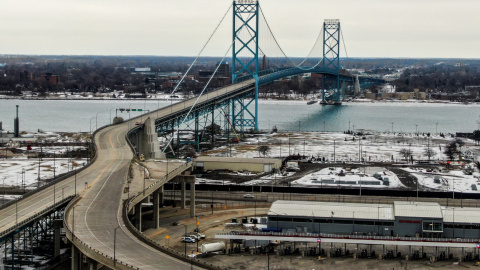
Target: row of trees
445,78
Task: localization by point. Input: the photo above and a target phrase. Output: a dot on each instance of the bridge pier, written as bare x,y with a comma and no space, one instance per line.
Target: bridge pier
184,179
157,201
138,216
148,145
92,264
75,259
57,225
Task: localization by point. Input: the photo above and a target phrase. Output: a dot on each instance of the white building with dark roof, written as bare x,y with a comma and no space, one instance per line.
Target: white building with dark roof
404,219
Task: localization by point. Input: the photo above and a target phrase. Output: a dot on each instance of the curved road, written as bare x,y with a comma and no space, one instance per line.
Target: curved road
97,214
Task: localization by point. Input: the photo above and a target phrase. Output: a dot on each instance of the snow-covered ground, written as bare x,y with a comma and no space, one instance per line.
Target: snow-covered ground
453,180
378,147
340,147
339,176
15,169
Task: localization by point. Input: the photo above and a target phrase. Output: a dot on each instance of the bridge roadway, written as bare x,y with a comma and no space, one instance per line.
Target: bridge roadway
97,213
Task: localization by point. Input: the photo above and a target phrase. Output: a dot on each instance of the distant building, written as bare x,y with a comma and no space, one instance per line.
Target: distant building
50,78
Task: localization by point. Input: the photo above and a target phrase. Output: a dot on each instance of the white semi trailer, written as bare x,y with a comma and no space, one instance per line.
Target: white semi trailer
212,247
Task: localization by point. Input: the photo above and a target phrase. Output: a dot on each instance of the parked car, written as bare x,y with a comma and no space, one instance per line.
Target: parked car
199,236
248,196
188,240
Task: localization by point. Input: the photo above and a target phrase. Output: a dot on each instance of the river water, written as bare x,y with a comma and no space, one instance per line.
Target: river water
83,115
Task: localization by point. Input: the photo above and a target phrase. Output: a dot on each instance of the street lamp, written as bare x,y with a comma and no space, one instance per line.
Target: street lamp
91,125
23,180
360,185
198,231
436,128
114,244
392,126
185,240
53,164
63,189
96,121
111,120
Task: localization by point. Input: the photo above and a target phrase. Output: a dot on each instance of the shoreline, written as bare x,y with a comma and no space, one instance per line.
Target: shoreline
266,100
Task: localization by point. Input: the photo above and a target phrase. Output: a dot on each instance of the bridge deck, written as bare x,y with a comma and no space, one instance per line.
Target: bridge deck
98,212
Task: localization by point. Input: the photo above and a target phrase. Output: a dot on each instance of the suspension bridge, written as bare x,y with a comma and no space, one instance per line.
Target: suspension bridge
97,221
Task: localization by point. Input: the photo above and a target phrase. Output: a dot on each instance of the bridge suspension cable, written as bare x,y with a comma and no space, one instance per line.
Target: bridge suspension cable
201,93
203,48
285,55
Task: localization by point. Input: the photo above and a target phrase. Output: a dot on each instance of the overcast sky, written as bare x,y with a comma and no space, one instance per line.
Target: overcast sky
371,28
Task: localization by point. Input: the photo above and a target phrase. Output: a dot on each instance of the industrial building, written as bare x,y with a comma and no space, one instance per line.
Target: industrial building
402,219
206,163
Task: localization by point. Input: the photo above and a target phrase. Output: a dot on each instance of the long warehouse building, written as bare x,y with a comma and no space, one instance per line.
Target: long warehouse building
404,219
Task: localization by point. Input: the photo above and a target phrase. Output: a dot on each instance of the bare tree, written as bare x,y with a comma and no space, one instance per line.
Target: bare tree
429,152
406,153
263,149
450,150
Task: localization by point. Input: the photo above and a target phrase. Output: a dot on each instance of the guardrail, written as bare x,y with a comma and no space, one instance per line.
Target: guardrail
348,236
139,197
61,177
33,218
160,247
88,250
141,236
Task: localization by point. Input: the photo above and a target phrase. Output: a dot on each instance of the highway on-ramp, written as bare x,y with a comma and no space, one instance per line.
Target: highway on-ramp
97,214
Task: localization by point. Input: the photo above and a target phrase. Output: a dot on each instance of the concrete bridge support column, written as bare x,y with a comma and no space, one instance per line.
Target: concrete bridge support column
161,195
138,216
57,225
75,260
156,207
93,265
182,195
192,197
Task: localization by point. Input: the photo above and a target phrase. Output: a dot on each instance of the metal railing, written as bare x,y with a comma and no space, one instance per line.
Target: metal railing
348,236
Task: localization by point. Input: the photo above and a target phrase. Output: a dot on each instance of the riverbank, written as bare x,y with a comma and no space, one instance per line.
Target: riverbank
179,97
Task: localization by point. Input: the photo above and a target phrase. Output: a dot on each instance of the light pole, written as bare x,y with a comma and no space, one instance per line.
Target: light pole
114,244
453,188
198,231
23,180
417,187
111,120
63,189
392,126
436,128
416,129
54,193
75,180
453,222
91,125
360,185
185,241
96,121
53,164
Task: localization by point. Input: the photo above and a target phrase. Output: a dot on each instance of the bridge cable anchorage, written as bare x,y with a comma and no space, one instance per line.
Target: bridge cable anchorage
284,54
201,51
201,93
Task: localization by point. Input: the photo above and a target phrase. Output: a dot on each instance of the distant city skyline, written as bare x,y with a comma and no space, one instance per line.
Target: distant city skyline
371,28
